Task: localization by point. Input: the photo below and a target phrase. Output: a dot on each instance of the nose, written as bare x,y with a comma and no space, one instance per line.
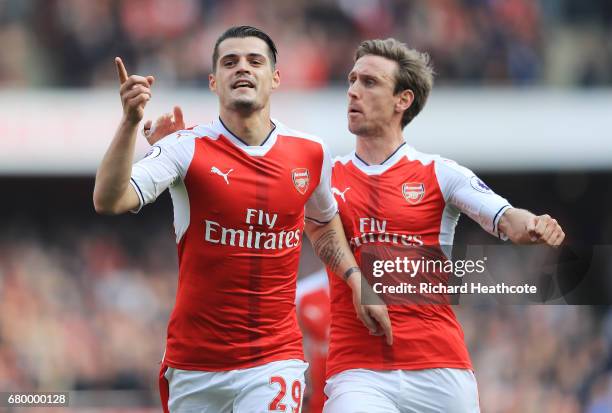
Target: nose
243,66
352,91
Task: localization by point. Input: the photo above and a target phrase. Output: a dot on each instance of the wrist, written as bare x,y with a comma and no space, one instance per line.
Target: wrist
130,121
352,277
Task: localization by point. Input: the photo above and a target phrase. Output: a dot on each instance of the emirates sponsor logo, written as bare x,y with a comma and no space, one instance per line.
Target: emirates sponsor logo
386,238
259,233
413,192
373,230
250,238
301,179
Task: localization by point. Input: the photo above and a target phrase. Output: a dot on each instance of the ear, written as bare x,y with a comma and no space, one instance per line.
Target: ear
275,79
406,97
212,82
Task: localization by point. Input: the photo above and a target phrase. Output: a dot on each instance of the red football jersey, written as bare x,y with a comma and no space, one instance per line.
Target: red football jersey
239,217
410,199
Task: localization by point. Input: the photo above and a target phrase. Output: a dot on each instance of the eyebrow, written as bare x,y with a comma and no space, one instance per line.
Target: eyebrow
366,75
236,55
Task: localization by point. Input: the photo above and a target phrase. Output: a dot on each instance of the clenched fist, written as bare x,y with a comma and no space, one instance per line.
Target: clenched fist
544,229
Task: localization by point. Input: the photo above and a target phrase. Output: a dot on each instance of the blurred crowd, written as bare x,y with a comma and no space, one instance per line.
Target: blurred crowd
80,314
82,309
71,43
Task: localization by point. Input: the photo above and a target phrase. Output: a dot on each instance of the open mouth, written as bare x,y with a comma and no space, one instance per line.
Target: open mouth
243,83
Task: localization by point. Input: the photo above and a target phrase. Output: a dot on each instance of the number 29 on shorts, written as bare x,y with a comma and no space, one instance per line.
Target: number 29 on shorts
277,405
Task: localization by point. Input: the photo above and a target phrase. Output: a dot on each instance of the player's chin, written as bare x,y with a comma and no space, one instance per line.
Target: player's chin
356,128
245,103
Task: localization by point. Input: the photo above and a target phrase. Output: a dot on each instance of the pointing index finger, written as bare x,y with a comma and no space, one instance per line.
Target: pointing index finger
123,76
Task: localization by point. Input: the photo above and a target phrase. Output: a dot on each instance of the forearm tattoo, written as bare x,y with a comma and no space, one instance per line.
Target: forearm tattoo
328,249
350,271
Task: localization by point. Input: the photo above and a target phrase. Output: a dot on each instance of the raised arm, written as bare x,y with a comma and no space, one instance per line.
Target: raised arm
523,227
330,245
113,193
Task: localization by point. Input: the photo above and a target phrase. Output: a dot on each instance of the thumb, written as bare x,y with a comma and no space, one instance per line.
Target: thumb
368,321
151,80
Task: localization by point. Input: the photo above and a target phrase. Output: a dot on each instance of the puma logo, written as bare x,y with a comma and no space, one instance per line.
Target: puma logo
335,191
217,171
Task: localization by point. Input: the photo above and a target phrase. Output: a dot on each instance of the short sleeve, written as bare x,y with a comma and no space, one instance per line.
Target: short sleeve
468,193
321,207
164,165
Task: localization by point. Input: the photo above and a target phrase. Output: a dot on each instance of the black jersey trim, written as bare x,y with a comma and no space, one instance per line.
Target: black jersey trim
241,140
495,228
383,162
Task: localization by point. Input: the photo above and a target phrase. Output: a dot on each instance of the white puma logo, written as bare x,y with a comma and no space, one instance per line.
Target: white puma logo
335,191
217,171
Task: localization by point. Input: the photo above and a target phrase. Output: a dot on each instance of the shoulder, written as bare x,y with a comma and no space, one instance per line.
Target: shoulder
342,160
441,164
452,175
284,130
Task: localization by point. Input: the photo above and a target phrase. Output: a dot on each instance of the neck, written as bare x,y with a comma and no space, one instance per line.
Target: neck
374,150
252,128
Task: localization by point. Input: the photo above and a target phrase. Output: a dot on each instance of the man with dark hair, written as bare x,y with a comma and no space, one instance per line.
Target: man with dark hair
242,187
241,32
390,195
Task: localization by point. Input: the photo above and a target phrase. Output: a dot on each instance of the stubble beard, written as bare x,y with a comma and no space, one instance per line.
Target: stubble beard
245,105
360,129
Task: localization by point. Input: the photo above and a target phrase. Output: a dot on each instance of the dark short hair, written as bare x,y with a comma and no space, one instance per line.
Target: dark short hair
242,32
415,71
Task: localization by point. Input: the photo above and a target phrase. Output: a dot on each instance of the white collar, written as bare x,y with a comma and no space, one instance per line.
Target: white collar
378,169
259,150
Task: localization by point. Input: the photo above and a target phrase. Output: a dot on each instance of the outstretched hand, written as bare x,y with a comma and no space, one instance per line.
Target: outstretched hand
135,92
164,125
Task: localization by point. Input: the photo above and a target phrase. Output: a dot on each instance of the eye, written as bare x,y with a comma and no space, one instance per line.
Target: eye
228,63
369,82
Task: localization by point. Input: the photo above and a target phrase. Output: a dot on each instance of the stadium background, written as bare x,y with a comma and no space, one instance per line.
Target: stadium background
522,93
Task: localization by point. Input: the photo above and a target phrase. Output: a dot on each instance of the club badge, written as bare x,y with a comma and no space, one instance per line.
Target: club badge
413,192
301,179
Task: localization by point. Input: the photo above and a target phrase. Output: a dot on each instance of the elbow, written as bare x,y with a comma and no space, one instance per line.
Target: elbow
104,208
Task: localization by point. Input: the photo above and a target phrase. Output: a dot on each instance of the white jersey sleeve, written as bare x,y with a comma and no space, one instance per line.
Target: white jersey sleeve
164,166
321,207
462,189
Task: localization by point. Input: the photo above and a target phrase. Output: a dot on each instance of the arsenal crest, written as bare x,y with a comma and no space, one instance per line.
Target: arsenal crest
301,178
413,192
